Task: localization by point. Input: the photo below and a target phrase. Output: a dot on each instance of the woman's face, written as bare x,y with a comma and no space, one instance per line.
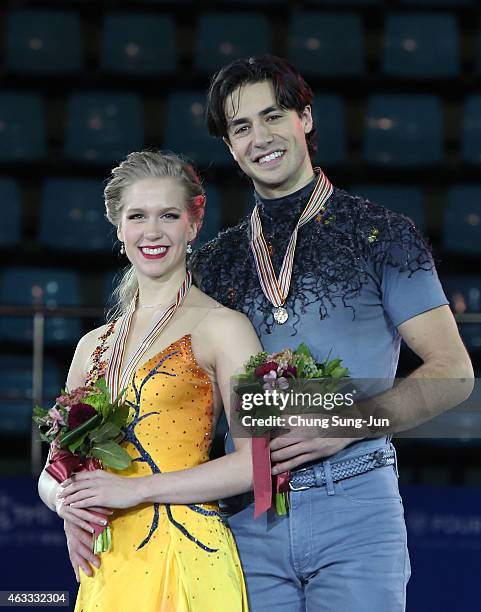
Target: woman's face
155,226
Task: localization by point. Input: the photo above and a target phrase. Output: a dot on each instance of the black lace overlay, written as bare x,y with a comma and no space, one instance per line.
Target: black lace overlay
337,252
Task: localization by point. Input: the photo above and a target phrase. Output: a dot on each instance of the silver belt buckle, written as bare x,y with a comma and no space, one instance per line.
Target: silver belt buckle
303,488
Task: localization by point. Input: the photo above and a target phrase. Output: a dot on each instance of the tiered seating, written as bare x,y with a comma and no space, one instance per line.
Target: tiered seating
103,127
138,44
327,44
10,202
25,286
404,131
421,45
185,131
221,38
22,127
44,42
73,216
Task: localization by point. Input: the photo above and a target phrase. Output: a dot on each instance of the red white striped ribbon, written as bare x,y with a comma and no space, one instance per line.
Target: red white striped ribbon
118,379
275,289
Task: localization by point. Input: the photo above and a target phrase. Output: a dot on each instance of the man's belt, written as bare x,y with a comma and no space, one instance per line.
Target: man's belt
315,476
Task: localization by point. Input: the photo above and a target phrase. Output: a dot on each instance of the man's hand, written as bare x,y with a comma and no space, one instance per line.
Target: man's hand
79,543
288,453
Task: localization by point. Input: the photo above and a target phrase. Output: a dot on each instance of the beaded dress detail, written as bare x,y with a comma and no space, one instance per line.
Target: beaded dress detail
167,557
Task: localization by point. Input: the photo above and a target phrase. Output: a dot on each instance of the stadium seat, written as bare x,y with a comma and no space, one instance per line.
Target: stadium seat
11,217
471,146
43,42
407,200
462,221
138,44
103,128
421,45
185,130
327,44
73,216
212,223
16,391
221,38
22,127
464,294
52,287
330,121
404,131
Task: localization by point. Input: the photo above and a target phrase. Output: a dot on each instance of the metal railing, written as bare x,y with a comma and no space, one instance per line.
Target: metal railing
39,313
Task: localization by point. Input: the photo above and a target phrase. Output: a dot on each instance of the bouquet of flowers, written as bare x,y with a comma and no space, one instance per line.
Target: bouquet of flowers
83,429
279,372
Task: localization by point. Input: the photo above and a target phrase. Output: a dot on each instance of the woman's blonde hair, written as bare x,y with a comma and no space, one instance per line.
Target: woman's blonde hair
143,165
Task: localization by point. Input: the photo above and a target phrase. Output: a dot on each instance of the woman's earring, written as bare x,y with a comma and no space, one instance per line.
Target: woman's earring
188,249
122,248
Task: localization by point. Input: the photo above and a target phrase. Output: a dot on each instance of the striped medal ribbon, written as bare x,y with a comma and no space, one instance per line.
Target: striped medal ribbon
275,289
118,380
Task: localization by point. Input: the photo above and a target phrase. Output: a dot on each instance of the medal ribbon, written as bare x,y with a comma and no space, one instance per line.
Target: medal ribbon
275,289
117,380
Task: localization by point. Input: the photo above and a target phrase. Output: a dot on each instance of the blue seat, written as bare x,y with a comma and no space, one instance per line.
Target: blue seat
22,127
404,131
462,220
73,216
43,42
464,294
212,223
471,146
407,200
185,130
10,202
221,38
327,44
103,128
421,45
138,44
16,382
52,287
330,121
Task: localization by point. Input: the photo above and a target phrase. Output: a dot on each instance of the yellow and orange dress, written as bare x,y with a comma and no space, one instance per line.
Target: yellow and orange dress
167,557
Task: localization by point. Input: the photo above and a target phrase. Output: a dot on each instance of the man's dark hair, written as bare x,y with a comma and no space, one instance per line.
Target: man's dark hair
291,90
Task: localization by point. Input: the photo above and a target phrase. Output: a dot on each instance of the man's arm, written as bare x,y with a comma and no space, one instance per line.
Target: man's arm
434,337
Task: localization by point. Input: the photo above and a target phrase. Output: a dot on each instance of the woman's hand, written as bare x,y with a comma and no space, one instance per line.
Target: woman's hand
80,517
100,488
79,544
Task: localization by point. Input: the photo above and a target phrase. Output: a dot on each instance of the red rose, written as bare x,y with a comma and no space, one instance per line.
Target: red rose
79,413
266,368
290,371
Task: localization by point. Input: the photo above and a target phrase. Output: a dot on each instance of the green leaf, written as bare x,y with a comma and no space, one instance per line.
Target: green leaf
39,411
71,436
105,432
77,444
43,437
112,455
120,415
303,349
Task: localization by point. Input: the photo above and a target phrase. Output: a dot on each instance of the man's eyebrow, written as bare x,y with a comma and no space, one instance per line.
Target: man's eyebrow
261,113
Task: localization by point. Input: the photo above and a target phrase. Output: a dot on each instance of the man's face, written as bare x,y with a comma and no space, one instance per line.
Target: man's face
268,142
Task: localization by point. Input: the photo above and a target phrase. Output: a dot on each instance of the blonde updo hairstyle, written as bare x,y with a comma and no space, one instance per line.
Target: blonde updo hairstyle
145,165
